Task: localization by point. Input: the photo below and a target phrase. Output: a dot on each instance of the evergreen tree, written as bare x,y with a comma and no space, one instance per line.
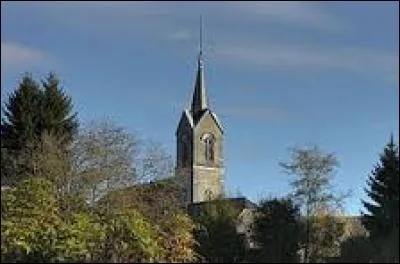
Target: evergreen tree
21,116
28,113
56,111
19,122
382,216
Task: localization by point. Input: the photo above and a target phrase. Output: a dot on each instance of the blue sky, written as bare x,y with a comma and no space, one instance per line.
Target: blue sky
278,74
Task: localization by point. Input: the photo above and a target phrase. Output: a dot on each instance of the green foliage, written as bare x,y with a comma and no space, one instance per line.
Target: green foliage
313,170
130,238
362,249
277,230
312,188
29,112
21,115
83,237
52,162
177,239
29,222
387,247
34,230
159,203
216,234
56,111
19,122
326,231
357,249
382,216
383,188
8,166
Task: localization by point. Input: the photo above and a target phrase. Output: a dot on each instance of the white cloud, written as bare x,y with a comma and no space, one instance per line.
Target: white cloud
125,16
178,21
291,12
15,55
180,35
299,57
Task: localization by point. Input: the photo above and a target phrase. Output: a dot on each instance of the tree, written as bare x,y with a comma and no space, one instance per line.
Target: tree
21,115
19,127
52,162
357,249
177,239
81,238
383,189
103,156
130,238
29,222
312,189
34,229
29,112
382,216
157,201
216,234
56,116
106,158
277,230
327,232
152,162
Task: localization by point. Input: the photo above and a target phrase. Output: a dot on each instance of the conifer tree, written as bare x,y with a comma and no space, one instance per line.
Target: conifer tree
56,111
21,115
30,111
382,216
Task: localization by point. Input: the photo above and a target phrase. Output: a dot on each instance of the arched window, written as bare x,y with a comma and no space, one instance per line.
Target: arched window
209,148
208,194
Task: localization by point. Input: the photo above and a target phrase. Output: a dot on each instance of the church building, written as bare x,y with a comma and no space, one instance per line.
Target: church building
200,157
199,137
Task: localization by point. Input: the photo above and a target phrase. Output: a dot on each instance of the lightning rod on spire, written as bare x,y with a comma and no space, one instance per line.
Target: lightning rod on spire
201,35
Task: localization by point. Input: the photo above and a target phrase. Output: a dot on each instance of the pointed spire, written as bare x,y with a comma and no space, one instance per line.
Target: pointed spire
199,102
391,140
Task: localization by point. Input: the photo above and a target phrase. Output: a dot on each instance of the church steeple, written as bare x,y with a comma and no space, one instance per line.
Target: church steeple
199,152
199,102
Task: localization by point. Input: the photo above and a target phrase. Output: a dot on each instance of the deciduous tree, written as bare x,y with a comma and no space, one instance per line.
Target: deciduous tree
312,187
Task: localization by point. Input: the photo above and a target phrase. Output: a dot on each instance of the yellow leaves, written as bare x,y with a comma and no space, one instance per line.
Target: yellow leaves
129,234
177,239
32,225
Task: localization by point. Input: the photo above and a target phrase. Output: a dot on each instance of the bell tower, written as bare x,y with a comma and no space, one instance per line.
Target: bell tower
199,137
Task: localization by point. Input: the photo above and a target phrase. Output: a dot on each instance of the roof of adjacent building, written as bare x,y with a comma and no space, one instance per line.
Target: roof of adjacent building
241,202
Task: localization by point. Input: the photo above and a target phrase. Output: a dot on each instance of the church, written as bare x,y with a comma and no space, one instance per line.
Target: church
200,161
200,156
199,137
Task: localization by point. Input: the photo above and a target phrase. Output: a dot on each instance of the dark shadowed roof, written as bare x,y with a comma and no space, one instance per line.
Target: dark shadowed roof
241,202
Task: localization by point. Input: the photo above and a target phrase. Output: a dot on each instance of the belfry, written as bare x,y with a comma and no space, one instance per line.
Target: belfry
199,138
